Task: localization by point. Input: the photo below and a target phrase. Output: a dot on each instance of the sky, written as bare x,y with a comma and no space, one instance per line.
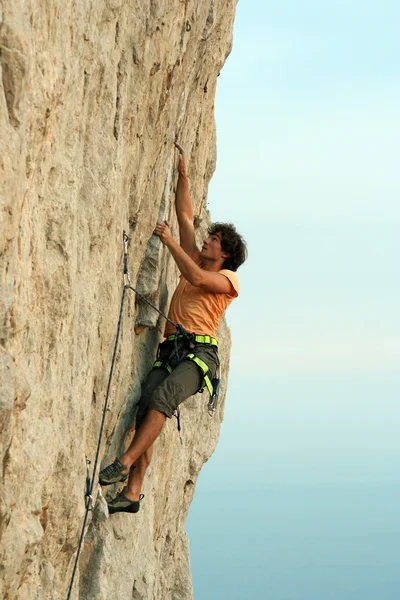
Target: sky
299,500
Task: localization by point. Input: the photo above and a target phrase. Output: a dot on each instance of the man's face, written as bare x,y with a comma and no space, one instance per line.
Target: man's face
212,249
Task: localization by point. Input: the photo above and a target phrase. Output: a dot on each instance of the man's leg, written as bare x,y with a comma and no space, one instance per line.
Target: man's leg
154,378
183,382
142,442
144,437
136,476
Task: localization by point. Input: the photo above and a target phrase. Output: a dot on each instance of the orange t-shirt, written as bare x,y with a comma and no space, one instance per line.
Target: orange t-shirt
198,311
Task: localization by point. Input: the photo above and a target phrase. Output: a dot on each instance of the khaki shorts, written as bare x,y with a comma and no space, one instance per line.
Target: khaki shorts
163,391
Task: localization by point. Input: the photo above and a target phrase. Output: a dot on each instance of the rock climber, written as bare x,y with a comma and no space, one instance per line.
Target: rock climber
208,284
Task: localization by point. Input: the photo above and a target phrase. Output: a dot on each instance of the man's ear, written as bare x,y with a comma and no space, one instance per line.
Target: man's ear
225,255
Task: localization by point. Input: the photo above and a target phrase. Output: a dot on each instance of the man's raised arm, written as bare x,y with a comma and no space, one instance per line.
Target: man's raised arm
183,207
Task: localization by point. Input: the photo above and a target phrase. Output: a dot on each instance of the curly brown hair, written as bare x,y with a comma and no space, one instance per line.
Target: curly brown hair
232,242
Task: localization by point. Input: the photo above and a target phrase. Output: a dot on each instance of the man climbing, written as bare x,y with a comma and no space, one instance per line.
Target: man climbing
208,284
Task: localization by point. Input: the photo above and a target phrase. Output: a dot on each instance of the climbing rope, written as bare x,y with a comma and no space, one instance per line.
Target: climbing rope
90,483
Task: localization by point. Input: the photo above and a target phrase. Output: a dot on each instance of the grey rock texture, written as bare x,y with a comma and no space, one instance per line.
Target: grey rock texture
92,96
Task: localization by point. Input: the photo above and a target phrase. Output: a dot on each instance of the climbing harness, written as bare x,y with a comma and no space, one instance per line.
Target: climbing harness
192,338
200,339
180,334
204,369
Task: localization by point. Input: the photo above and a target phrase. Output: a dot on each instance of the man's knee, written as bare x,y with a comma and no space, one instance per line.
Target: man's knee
142,415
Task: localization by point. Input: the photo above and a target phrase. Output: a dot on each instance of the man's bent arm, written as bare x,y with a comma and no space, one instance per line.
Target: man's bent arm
209,281
184,210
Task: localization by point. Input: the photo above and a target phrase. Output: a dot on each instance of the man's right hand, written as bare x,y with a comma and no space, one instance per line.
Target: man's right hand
181,160
183,207
182,165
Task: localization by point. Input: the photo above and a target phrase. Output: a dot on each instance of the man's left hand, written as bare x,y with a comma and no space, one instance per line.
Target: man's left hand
163,231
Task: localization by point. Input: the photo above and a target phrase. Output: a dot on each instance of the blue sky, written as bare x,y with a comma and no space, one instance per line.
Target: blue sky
310,171
308,134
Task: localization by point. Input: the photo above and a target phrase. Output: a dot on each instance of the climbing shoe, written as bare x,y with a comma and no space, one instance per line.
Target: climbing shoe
122,504
113,473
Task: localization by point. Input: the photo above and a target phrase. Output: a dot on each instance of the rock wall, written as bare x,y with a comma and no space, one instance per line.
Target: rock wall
92,96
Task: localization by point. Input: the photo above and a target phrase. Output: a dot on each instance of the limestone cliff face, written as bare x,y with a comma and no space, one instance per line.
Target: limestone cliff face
92,96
